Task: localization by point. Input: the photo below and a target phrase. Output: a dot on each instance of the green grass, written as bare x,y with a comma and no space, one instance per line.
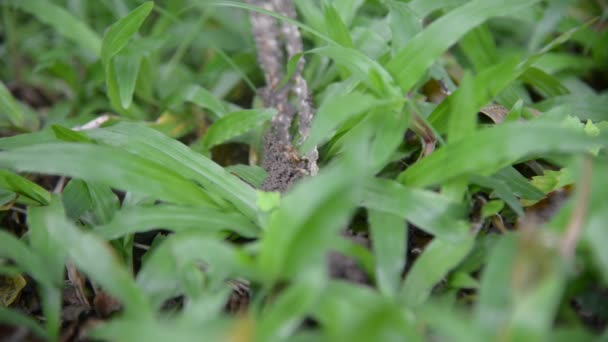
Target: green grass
175,82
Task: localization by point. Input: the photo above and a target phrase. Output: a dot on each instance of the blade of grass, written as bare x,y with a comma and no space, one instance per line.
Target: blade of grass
235,124
152,145
10,108
176,218
495,148
410,64
388,235
107,165
429,211
63,22
24,187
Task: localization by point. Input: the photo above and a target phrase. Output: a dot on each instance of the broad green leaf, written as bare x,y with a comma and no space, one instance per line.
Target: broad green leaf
495,148
126,69
336,110
63,22
176,218
24,187
107,165
388,235
438,258
410,64
251,174
9,107
429,211
335,27
152,145
200,97
119,34
235,124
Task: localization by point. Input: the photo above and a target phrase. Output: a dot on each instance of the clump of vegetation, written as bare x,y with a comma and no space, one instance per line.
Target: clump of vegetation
303,170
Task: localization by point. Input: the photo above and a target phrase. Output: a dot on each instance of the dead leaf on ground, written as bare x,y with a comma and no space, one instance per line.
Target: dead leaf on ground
10,288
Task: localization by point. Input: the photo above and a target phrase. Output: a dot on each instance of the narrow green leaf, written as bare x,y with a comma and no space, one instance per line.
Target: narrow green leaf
479,47
501,190
362,68
24,187
27,139
336,110
68,135
288,311
126,69
9,107
235,124
591,106
595,233
463,112
93,256
16,318
155,146
176,218
519,184
404,24
200,97
162,275
335,27
547,85
119,34
300,232
495,148
410,64
486,85
438,258
63,22
427,210
425,7
25,258
388,235
292,67
251,174
107,165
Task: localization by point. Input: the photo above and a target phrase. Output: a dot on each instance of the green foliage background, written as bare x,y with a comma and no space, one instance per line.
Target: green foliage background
163,70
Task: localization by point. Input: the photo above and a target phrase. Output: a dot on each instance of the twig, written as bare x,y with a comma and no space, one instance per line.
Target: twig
293,45
281,161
